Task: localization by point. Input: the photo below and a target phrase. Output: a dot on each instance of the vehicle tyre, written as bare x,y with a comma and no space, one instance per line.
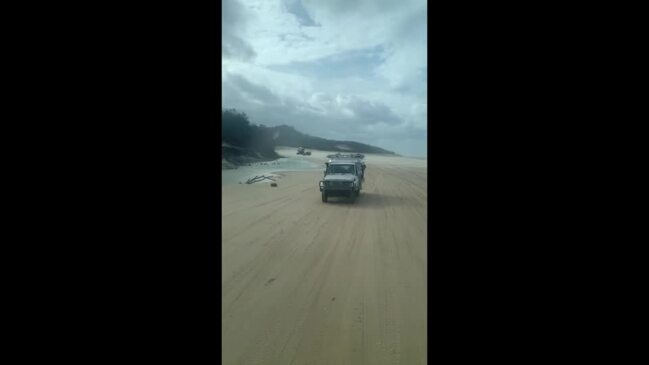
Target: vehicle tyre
324,197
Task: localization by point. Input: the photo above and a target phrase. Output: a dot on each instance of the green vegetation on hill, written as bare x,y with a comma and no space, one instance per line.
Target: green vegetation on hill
245,142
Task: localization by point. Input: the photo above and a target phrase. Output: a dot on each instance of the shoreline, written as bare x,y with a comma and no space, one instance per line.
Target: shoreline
233,158
289,161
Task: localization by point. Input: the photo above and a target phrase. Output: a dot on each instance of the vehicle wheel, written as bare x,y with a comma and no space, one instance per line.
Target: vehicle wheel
324,197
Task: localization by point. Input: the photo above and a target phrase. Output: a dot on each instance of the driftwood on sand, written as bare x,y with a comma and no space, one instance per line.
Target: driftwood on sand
259,178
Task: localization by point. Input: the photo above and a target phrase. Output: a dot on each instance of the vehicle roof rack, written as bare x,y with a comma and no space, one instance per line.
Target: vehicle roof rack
346,156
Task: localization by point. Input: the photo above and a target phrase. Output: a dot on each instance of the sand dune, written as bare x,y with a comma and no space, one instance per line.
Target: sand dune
306,282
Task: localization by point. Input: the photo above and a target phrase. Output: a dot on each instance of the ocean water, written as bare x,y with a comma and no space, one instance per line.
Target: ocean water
243,173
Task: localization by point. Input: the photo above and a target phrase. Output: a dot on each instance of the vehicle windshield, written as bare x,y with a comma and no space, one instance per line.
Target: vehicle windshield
340,169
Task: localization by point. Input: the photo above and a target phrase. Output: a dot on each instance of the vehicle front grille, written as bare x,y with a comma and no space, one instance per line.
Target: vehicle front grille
339,183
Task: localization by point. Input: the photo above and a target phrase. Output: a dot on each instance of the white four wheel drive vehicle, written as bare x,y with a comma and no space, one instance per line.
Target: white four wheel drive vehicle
342,178
356,157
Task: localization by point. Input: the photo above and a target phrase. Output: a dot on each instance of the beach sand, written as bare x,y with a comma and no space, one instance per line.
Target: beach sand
307,282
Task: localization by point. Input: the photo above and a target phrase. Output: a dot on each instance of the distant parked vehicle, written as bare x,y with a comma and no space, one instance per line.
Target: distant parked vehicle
300,150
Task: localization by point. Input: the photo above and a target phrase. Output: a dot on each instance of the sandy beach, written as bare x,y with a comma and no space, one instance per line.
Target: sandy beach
307,282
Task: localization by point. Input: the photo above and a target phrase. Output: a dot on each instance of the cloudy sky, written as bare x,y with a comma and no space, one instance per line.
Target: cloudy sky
340,69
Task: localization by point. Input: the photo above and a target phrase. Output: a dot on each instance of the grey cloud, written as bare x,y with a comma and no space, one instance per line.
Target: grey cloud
358,6
294,37
232,13
371,121
357,62
291,112
296,8
364,111
236,48
233,21
413,26
251,90
370,112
